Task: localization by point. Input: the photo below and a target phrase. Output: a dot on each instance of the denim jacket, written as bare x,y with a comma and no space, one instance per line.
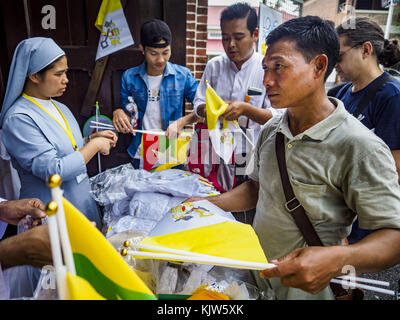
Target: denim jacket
177,83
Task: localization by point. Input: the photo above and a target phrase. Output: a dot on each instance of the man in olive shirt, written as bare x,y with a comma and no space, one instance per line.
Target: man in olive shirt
337,168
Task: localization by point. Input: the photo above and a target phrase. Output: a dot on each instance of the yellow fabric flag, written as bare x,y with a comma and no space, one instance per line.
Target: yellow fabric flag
201,227
215,107
98,263
80,289
221,135
106,7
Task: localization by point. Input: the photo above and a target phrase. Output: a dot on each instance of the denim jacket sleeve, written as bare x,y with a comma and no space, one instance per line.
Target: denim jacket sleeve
190,87
124,91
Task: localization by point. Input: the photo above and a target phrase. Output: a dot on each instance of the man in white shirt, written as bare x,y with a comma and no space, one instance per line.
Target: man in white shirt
236,76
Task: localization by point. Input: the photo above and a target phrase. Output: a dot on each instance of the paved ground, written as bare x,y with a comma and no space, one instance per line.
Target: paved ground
391,275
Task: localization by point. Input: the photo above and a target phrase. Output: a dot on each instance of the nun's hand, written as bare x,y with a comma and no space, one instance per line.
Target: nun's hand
103,145
106,134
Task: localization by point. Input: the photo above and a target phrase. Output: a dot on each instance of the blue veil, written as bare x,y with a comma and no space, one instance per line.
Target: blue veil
30,56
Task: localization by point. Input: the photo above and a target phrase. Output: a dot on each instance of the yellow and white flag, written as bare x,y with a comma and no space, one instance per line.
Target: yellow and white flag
115,33
206,234
220,130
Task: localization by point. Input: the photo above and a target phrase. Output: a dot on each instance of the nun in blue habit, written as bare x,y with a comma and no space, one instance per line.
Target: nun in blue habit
41,134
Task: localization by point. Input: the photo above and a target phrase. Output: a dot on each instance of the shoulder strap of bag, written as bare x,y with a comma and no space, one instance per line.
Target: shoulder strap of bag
335,90
294,207
370,94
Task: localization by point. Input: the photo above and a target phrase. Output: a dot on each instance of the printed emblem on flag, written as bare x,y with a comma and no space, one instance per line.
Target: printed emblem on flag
115,33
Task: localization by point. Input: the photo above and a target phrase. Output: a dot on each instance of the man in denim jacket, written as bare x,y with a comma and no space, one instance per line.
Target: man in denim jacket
158,88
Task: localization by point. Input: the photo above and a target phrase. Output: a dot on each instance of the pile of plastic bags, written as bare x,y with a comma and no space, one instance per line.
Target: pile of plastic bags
138,199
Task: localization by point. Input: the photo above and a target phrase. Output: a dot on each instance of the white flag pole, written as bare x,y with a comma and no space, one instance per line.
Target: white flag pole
363,286
187,256
217,261
158,133
51,210
97,130
177,251
54,183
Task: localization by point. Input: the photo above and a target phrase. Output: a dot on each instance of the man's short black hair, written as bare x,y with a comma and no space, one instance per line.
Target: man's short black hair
313,36
240,10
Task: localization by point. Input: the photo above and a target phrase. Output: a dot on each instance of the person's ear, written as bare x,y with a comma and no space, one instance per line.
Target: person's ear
255,34
141,48
367,49
320,65
35,78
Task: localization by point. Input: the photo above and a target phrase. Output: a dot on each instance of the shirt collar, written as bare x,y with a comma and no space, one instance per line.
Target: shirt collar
169,70
322,129
245,64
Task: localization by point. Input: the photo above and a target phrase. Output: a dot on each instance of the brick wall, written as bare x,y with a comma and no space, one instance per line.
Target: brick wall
196,39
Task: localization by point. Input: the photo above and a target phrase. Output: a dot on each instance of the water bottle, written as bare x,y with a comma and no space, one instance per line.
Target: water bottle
132,108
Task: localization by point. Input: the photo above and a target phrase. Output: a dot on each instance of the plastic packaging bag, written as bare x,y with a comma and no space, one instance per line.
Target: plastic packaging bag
136,198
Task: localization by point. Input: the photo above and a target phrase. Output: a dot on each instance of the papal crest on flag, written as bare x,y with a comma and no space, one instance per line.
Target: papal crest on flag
115,34
220,130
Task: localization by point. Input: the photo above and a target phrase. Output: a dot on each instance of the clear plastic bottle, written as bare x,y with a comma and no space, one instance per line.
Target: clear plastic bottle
132,108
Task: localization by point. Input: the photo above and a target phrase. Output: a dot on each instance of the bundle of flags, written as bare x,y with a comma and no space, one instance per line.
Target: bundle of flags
115,33
94,269
160,153
200,232
220,130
